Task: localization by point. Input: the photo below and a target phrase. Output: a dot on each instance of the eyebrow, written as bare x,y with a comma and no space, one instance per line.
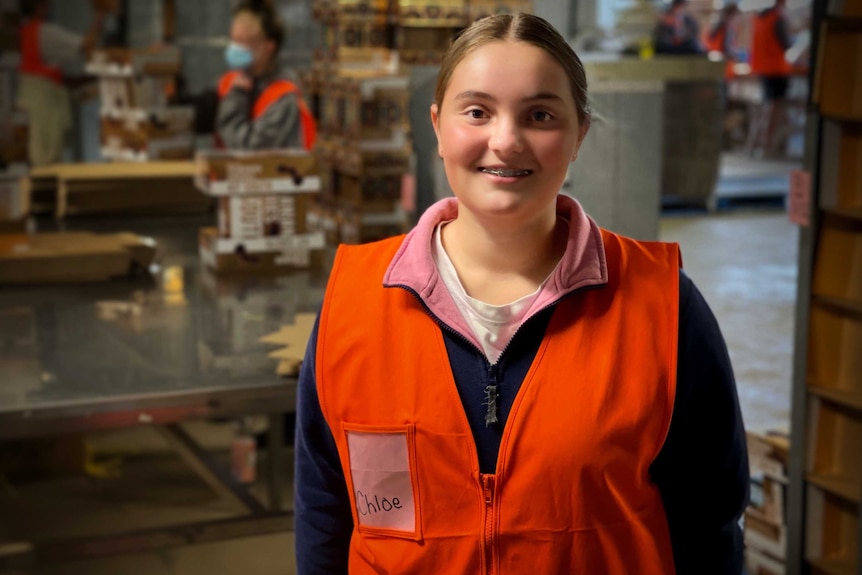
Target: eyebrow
476,95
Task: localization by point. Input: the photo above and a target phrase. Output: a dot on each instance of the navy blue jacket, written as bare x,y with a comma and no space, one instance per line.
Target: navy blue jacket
701,471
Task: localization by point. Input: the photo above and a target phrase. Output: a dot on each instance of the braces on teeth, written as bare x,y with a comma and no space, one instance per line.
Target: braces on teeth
505,173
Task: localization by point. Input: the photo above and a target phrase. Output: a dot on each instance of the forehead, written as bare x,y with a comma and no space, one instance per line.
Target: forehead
507,68
246,25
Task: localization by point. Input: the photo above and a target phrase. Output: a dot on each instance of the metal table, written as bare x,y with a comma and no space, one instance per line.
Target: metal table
175,345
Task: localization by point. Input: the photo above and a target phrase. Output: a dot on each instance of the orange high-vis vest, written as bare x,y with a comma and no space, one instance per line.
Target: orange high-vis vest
278,89
715,43
31,57
571,492
767,53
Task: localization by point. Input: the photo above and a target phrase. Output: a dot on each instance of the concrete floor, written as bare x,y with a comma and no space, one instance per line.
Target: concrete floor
744,262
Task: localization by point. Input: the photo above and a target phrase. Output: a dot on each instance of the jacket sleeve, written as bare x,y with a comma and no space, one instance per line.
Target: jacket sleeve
277,127
702,469
323,522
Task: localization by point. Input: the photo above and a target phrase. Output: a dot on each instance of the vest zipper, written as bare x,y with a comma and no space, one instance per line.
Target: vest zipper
488,483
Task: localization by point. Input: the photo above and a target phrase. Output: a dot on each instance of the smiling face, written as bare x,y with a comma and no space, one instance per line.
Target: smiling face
507,130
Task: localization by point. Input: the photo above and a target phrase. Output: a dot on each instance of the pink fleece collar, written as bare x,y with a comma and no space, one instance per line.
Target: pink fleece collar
413,267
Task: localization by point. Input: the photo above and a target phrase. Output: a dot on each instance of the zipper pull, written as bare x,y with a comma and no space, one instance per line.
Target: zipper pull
488,487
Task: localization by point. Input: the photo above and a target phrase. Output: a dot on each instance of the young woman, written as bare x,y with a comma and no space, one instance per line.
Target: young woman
260,106
509,388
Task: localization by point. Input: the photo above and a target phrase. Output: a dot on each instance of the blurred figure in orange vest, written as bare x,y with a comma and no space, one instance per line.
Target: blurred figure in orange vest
260,105
770,40
722,37
677,32
45,47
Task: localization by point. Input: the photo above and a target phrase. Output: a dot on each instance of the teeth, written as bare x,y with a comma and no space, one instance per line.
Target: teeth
505,173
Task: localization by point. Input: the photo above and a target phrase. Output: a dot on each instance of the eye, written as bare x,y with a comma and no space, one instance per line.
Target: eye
475,114
540,116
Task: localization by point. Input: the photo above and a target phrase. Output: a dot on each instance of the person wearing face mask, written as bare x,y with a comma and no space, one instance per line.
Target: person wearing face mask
45,48
260,106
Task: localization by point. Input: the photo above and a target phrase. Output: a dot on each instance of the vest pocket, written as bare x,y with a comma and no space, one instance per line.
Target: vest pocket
382,480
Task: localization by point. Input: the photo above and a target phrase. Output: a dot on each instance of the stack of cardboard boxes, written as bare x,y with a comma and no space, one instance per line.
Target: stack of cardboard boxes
138,122
359,87
263,202
766,516
13,137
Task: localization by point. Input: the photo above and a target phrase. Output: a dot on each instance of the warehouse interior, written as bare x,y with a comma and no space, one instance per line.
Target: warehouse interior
158,283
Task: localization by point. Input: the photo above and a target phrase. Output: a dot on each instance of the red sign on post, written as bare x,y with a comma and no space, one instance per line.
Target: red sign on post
799,202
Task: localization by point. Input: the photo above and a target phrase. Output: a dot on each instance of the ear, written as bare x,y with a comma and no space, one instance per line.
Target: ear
435,121
583,128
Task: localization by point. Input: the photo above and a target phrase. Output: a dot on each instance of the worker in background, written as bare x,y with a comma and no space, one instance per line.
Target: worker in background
45,47
722,37
677,32
260,106
770,40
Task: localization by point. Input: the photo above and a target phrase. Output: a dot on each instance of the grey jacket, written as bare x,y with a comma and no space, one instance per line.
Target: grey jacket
278,127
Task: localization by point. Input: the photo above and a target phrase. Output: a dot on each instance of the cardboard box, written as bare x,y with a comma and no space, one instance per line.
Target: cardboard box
359,162
437,13
768,500
273,215
266,255
147,92
324,10
423,46
759,563
366,105
481,8
768,452
144,135
220,173
372,193
765,536
72,257
362,34
838,86
128,62
362,9
354,225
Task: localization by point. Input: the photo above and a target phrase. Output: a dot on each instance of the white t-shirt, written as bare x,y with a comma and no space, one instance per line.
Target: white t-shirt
493,325
57,45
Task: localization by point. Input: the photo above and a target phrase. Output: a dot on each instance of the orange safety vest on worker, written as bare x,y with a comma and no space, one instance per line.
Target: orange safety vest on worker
572,491
767,53
31,56
278,89
715,43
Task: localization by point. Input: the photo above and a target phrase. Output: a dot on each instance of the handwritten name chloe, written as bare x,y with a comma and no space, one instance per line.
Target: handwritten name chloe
367,506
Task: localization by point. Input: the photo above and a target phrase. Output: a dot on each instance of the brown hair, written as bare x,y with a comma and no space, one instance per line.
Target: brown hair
270,23
521,28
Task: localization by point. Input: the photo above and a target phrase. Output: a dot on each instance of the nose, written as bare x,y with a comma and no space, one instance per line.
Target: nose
506,137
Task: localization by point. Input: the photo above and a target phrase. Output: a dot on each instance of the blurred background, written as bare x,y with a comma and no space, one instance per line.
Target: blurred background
175,176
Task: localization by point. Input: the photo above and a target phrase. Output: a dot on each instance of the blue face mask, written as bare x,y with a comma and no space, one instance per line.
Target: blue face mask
238,56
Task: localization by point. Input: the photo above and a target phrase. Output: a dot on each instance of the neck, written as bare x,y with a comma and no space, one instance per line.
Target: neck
499,264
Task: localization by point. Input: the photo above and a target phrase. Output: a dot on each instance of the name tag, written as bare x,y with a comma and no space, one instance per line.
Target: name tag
382,473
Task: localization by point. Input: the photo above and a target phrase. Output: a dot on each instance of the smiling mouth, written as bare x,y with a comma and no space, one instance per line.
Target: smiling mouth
505,173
